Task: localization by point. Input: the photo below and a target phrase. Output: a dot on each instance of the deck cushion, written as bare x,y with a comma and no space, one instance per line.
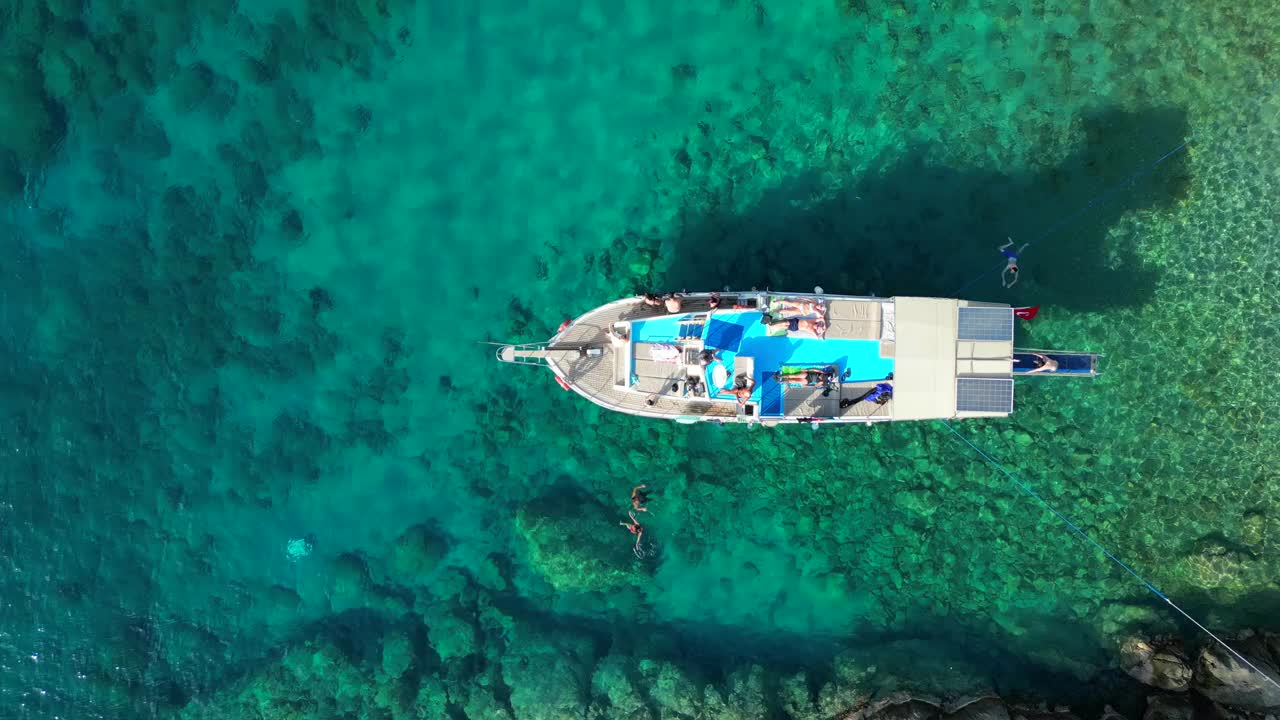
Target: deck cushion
854,319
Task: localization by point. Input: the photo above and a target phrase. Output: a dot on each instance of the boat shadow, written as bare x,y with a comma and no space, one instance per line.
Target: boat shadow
909,226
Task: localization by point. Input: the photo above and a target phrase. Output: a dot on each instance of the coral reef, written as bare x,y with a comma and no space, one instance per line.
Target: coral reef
575,544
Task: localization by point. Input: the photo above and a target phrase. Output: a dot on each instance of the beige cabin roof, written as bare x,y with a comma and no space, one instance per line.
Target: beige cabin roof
924,373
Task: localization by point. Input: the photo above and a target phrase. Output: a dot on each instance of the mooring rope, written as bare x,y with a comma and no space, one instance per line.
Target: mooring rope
1123,185
1076,529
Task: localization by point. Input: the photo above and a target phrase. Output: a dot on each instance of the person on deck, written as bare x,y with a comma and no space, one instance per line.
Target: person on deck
788,325
880,394
1043,363
795,308
694,386
618,336
634,527
811,376
743,386
639,498
1009,277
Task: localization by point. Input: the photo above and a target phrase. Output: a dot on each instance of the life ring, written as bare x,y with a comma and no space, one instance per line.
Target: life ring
560,381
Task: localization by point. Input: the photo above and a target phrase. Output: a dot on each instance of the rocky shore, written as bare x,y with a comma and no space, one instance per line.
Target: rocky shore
1211,683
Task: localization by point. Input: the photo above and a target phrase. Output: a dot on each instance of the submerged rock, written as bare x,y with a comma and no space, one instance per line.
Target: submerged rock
575,543
1168,707
1041,713
983,708
1223,678
418,552
1109,713
612,681
899,706
910,710
33,122
1152,665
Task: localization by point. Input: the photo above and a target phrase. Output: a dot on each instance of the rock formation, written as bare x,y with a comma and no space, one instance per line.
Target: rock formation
1223,678
1150,663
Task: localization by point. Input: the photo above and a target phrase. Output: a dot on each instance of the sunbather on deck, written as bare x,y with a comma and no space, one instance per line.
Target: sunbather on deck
811,376
1043,364
789,325
795,308
743,386
671,301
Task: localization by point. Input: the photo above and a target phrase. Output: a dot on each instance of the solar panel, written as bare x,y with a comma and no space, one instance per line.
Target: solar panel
986,323
984,395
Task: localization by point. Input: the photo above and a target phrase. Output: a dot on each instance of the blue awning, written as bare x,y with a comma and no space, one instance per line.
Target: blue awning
723,335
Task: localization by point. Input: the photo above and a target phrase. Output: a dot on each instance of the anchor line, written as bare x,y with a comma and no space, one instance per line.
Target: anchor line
1089,539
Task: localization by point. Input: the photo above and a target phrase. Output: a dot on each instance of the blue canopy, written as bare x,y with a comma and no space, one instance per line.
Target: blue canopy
723,335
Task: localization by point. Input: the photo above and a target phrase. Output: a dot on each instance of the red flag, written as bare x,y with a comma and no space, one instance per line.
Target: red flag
1027,313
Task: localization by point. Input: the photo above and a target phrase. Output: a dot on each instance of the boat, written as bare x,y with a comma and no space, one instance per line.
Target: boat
770,358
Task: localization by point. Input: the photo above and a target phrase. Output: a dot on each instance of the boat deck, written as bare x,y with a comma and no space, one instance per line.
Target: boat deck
624,376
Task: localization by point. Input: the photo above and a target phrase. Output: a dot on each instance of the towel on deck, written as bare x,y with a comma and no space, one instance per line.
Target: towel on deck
719,376
777,304
664,352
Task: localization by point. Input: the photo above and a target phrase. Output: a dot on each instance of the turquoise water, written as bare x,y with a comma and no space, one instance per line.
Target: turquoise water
251,252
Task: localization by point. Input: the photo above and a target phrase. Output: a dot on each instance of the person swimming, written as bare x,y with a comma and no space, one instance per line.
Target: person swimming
639,498
635,528
1010,269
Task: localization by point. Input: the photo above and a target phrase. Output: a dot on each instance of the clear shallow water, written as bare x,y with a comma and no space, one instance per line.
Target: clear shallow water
249,252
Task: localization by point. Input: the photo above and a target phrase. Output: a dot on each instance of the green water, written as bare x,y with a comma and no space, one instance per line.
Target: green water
249,254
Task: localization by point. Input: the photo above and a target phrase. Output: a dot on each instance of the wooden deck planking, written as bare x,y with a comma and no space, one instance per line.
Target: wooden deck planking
593,377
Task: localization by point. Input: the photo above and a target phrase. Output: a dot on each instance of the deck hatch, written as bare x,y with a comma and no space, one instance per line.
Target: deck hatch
986,323
984,395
